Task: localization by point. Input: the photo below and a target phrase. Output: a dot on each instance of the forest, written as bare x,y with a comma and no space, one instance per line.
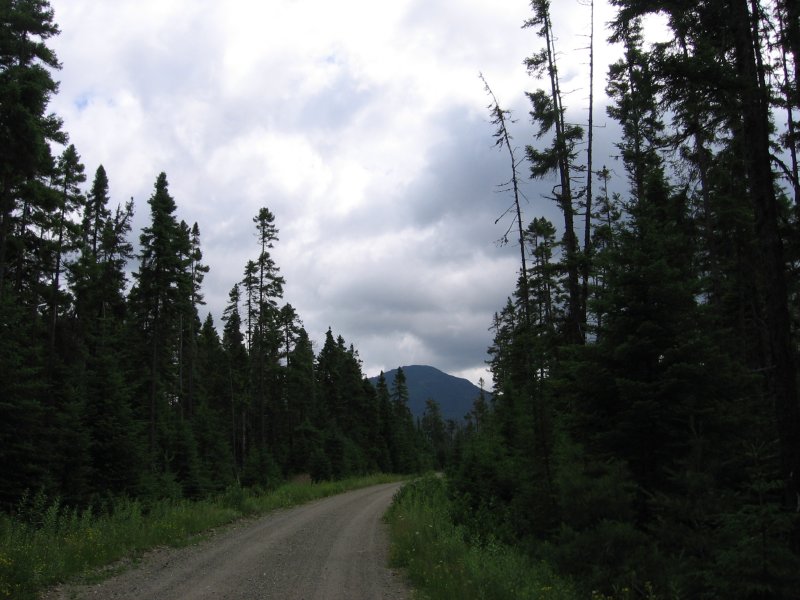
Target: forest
643,434
113,385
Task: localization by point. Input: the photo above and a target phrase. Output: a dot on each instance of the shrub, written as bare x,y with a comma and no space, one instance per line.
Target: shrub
442,563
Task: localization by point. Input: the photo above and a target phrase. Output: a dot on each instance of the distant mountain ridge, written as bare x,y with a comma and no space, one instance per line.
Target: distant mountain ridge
455,395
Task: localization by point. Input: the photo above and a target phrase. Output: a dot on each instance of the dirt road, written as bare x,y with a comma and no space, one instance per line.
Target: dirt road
328,549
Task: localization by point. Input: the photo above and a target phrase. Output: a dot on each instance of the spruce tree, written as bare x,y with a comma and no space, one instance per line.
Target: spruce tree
27,64
387,457
433,429
156,301
26,86
97,280
69,175
211,418
405,458
236,367
301,395
548,113
23,464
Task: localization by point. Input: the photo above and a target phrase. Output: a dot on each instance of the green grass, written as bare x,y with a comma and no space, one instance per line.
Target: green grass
61,544
442,565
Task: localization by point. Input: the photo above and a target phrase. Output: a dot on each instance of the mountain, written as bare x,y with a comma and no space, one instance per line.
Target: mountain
454,394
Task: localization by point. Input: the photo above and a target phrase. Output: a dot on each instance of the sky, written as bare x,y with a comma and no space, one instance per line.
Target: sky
362,125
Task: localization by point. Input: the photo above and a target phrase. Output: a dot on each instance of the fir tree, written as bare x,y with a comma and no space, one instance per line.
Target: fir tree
69,175
26,86
548,113
156,301
236,367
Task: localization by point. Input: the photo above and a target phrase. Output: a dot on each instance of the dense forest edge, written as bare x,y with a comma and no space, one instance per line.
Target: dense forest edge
116,397
642,439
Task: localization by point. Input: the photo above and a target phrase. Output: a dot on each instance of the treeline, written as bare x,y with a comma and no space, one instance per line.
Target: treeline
644,432
112,387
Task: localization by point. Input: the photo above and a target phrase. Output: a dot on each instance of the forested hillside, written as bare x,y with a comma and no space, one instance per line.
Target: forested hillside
645,435
118,385
454,395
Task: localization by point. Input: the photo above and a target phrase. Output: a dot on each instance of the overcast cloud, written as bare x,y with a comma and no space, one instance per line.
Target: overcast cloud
362,125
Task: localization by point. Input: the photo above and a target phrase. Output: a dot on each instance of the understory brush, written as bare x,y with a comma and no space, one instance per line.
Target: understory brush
443,565
46,543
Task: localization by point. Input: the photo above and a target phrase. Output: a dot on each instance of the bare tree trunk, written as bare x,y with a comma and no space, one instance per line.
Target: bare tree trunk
755,126
233,418
56,278
574,326
587,230
153,389
792,40
504,140
703,154
6,209
792,97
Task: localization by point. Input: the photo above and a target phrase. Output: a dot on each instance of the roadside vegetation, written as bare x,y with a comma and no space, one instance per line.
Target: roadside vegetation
643,428
45,543
443,561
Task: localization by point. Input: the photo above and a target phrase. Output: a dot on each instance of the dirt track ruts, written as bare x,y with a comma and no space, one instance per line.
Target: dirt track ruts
332,548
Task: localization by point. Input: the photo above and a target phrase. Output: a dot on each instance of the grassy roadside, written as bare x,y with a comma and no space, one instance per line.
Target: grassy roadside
443,566
61,544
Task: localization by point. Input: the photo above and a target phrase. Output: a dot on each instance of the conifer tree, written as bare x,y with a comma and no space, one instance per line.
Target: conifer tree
156,301
69,175
69,437
548,113
211,419
736,93
97,280
500,118
189,318
96,210
328,375
405,458
236,365
588,249
432,427
23,465
264,287
301,395
387,458
26,86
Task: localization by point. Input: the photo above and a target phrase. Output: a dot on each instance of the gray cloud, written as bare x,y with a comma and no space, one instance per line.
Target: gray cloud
361,125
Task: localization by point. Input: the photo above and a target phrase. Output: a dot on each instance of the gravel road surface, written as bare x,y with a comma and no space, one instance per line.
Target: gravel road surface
328,549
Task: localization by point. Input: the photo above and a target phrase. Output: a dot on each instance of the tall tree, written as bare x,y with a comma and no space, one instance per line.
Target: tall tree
236,365
211,421
301,396
156,301
386,425
26,86
98,280
69,175
405,459
433,428
96,210
744,100
754,98
500,118
548,113
264,287
190,319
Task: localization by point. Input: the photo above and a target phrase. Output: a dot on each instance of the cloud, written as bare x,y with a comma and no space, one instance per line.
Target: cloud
362,125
